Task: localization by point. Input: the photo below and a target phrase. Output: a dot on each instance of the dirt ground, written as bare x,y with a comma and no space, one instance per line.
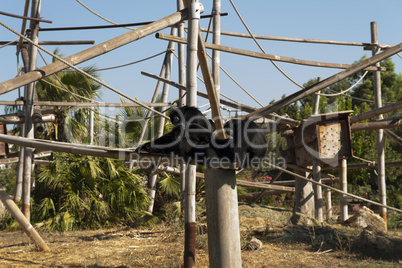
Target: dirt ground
162,246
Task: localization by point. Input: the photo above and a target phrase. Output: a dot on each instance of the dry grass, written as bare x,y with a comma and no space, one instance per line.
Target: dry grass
162,246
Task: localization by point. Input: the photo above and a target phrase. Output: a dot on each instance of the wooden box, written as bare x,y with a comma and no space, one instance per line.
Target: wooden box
325,137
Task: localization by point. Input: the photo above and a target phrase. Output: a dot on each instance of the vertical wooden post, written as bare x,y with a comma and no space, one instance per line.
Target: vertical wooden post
328,199
304,199
317,170
216,10
20,169
182,102
343,180
317,191
191,100
222,218
91,126
380,140
161,123
29,105
20,173
182,57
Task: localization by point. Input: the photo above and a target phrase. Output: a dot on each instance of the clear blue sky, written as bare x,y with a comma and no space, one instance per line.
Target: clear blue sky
330,20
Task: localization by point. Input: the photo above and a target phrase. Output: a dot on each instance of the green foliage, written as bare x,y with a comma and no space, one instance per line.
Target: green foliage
86,192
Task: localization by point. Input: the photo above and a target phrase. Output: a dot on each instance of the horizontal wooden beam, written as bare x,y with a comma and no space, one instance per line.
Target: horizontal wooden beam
302,40
23,17
377,111
108,152
376,125
110,26
264,56
97,104
52,43
372,165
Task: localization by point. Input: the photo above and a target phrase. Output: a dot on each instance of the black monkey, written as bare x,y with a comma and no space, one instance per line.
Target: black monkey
192,138
190,135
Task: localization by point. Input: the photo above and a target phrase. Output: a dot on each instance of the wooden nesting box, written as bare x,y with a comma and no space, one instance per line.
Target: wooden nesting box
325,136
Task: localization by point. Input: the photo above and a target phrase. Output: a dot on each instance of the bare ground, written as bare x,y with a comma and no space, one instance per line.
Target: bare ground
284,245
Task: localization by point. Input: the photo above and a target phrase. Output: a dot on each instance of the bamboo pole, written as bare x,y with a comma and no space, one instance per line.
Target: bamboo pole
110,26
327,82
161,122
91,127
195,10
182,101
34,19
302,40
258,55
93,52
216,26
376,112
328,199
29,107
372,165
343,176
22,220
318,191
182,57
376,125
21,120
380,140
393,136
96,104
52,43
317,170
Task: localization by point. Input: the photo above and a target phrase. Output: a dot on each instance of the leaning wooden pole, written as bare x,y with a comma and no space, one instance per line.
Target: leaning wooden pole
21,219
383,110
327,82
380,140
195,10
94,51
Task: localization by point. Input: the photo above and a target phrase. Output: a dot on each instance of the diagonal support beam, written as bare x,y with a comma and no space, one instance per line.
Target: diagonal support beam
93,52
327,82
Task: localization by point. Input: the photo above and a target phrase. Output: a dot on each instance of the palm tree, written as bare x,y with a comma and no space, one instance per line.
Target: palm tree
69,86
